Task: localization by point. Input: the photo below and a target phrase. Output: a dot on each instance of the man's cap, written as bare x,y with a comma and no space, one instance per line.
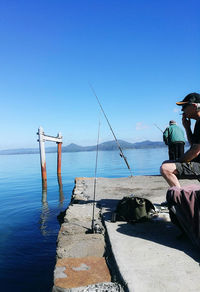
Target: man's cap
190,98
172,122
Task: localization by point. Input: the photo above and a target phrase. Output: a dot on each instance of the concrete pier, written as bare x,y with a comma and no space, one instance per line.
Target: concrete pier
140,257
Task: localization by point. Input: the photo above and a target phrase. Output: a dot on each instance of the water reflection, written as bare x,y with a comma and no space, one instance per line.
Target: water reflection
44,218
45,212
61,193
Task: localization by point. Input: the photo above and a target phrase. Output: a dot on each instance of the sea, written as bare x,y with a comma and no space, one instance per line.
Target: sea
28,216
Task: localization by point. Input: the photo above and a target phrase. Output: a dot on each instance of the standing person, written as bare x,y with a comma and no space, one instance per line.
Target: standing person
173,136
188,165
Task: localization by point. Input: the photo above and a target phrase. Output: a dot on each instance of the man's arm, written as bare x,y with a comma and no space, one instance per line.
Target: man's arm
192,153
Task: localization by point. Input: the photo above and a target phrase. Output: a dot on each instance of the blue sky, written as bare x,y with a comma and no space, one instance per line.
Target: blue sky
140,56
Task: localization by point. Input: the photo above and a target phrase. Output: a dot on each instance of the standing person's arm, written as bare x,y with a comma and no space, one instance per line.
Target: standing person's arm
165,136
187,125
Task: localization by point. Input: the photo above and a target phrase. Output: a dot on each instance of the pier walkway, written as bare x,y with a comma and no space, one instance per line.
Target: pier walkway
142,257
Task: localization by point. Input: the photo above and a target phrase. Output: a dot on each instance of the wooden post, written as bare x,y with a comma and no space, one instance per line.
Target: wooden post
44,196
59,150
42,139
59,155
42,157
61,197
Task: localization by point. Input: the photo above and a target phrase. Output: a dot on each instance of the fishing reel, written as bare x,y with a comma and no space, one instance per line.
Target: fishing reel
96,228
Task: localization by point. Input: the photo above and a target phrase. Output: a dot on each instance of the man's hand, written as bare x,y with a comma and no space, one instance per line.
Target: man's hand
186,122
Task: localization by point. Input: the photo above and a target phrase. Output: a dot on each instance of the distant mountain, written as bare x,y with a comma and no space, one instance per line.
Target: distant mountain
106,146
75,148
112,145
148,144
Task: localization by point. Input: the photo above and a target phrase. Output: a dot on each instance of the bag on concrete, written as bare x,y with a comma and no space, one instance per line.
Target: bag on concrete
133,209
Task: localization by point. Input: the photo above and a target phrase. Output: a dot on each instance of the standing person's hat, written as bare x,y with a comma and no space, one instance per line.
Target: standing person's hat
190,98
172,122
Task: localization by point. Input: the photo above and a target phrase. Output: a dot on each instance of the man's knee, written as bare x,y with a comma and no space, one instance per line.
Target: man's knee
163,168
168,168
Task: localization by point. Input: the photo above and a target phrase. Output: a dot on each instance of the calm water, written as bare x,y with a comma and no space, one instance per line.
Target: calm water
29,226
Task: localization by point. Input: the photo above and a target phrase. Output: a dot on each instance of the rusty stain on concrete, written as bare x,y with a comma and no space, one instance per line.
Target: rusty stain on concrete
81,272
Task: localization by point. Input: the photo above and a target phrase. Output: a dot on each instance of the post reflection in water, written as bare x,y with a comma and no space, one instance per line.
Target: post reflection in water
45,208
61,194
45,213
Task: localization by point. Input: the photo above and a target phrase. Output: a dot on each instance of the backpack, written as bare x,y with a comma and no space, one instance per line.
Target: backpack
133,209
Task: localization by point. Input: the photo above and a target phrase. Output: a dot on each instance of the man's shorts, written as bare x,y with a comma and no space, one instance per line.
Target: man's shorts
189,170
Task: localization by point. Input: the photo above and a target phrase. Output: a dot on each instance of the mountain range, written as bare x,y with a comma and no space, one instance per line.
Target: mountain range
106,146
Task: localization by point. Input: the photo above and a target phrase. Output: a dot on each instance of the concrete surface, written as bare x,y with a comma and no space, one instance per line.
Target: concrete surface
149,256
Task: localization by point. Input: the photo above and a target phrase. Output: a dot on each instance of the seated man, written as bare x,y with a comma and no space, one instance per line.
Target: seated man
188,165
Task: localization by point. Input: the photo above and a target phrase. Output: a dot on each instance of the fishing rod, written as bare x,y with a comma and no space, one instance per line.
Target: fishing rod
158,128
120,149
95,180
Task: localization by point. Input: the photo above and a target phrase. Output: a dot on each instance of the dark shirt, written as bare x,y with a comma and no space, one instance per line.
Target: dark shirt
196,138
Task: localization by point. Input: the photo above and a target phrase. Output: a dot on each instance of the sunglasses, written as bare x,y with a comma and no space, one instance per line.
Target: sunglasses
185,105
